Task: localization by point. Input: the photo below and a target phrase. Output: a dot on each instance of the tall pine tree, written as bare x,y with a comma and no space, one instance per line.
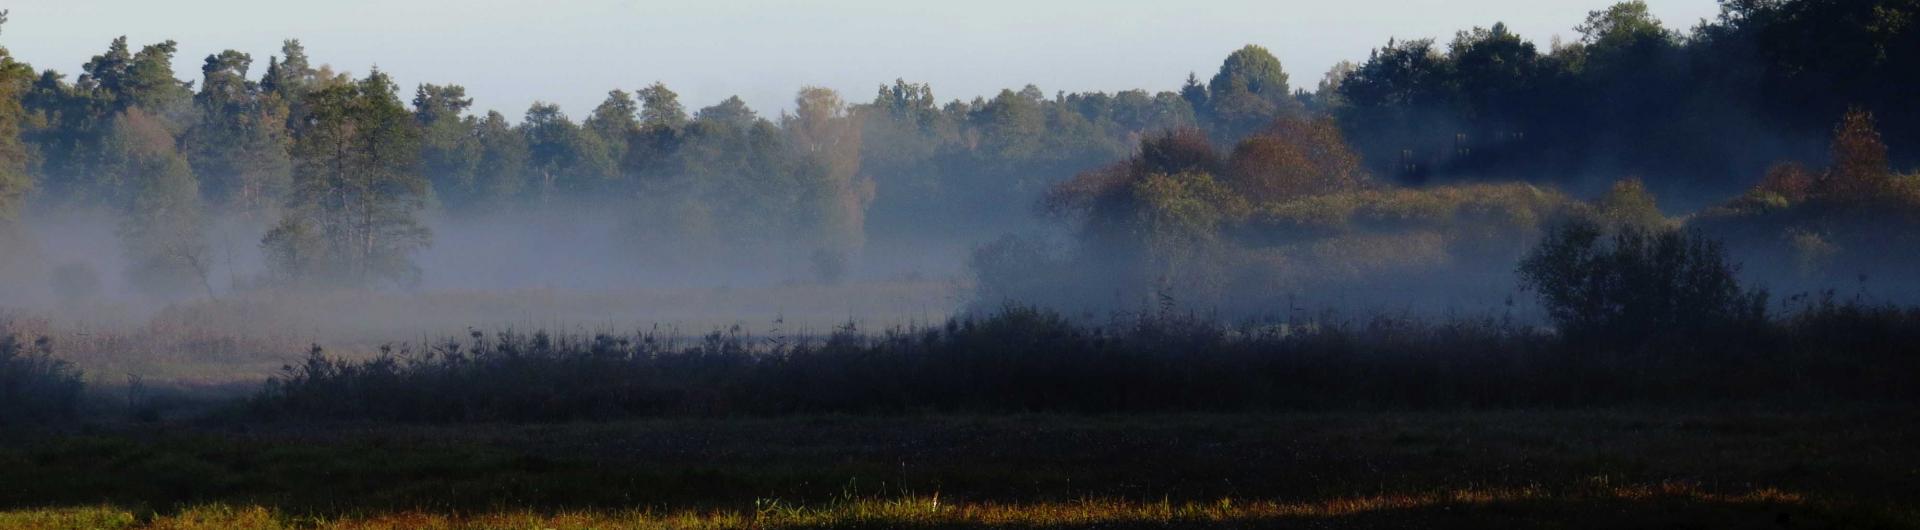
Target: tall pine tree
351,217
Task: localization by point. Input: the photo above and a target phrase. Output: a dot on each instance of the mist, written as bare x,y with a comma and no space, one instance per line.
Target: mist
1623,271
282,202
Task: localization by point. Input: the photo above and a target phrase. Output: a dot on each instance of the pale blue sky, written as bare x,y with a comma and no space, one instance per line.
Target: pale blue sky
509,53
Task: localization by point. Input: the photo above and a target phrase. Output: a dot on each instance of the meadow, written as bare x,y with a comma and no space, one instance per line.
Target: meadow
1704,467
1019,418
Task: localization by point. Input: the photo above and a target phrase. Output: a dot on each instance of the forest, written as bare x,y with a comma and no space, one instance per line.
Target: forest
301,175
1480,275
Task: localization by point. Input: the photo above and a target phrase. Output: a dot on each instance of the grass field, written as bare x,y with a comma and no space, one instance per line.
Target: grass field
1700,468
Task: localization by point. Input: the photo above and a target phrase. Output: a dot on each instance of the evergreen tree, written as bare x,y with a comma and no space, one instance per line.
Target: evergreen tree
351,216
502,171
660,108
290,74
614,122
566,158
654,144
289,78
238,147
449,148
731,112
15,181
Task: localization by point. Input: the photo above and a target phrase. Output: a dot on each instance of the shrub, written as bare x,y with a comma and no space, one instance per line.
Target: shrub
1789,180
1029,360
1017,360
1295,157
1809,229
1629,203
1639,287
34,386
1860,169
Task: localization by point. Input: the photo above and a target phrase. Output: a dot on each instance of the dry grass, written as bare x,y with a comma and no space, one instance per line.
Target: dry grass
932,512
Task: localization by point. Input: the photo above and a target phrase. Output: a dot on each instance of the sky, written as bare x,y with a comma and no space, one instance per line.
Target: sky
511,53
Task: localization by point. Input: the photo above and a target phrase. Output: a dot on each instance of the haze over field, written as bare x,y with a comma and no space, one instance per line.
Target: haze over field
1347,165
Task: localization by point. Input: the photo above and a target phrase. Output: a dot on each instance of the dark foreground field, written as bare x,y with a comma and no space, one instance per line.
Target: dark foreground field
1699,468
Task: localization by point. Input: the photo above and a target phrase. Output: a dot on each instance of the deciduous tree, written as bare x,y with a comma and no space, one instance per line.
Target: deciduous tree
162,229
826,137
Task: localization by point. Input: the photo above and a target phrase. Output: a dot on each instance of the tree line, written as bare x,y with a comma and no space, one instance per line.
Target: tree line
333,172
1695,113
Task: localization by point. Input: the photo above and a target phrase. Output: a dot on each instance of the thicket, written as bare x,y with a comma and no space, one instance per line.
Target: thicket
1640,288
1642,311
1285,217
35,387
1853,224
1025,360
1288,217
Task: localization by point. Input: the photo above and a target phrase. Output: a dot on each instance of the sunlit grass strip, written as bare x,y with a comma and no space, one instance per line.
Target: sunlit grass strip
909,511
